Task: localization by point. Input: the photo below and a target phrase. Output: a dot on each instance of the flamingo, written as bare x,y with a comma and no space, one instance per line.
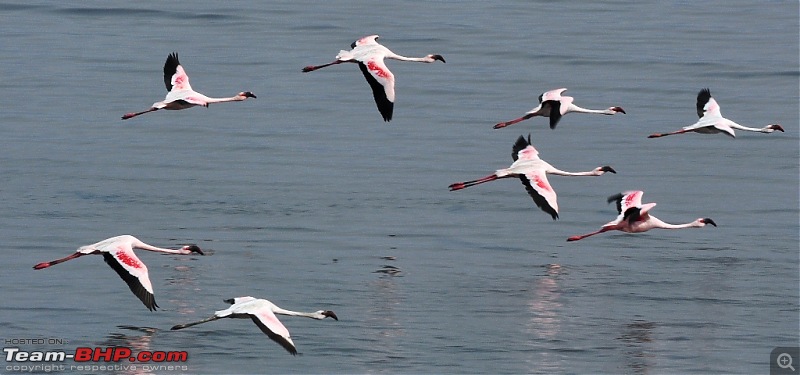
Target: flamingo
118,253
262,312
553,105
530,168
634,217
180,94
369,55
712,122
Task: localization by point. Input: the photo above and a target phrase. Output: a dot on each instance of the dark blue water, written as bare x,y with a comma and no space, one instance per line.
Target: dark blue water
302,192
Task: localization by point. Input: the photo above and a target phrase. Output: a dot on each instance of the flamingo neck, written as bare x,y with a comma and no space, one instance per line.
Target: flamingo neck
766,129
565,173
314,315
144,246
395,56
663,225
577,109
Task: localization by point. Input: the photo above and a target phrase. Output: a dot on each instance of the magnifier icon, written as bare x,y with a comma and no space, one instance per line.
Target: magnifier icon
785,361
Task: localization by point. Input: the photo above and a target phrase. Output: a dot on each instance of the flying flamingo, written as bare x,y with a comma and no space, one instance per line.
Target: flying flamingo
634,217
553,105
369,55
118,253
180,94
530,168
712,122
262,312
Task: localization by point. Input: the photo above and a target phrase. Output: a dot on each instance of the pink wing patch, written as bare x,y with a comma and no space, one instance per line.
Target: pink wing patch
180,81
377,70
528,153
271,321
631,199
711,108
128,259
539,183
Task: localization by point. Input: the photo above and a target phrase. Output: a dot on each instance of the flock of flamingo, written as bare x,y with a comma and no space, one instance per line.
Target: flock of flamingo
633,216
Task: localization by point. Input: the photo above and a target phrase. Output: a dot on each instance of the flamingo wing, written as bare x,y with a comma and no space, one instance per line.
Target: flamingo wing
551,95
134,273
627,200
540,190
523,150
266,320
175,77
706,105
555,111
370,39
381,80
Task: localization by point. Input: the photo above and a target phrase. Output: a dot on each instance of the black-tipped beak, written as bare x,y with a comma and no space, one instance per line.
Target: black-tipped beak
438,57
709,221
330,314
778,128
249,94
229,300
195,249
607,168
619,109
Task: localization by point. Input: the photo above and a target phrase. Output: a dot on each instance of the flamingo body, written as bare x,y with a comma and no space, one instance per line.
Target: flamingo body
370,55
532,172
118,254
712,122
262,313
634,217
554,105
180,94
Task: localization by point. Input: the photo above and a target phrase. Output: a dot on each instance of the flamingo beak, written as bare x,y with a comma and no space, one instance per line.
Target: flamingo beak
709,221
330,314
777,127
619,109
229,300
438,57
248,94
607,168
194,249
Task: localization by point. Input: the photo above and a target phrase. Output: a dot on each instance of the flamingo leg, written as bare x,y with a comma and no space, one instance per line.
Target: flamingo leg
130,115
182,326
466,184
580,237
656,135
57,261
312,68
514,121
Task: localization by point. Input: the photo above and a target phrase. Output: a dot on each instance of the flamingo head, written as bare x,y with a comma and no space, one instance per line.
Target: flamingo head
617,109
246,94
433,58
704,221
604,169
772,128
326,314
188,249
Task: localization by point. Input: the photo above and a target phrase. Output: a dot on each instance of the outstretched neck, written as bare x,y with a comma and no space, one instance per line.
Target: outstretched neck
663,225
425,59
607,111
314,315
144,246
767,129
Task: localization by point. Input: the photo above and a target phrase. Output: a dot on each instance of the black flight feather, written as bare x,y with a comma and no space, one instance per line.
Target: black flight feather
170,67
385,107
133,282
